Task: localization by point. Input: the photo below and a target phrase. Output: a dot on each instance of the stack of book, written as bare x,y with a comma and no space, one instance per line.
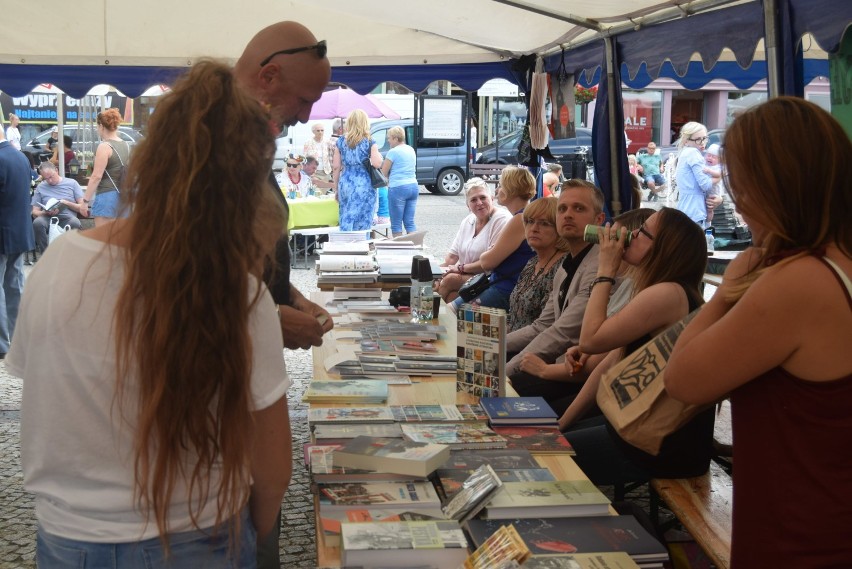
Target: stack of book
358,391
346,262
526,422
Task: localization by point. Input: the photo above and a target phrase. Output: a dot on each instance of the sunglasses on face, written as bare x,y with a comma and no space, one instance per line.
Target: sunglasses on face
321,48
292,165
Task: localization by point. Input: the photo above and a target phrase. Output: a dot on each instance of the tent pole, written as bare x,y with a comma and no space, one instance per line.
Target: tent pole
613,126
770,45
60,111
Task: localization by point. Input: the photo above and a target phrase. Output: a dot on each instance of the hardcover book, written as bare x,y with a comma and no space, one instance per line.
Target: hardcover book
519,411
398,456
540,439
377,495
599,534
403,544
456,435
560,498
481,351
331,521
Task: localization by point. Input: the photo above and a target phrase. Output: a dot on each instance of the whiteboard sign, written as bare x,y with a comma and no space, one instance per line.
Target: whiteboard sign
498,88
442,118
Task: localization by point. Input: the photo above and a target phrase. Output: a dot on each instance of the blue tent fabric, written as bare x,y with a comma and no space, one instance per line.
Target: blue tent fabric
468,76
790,60
601,133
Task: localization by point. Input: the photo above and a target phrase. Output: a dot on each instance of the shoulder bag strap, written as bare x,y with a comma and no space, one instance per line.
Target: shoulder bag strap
106,170
841,276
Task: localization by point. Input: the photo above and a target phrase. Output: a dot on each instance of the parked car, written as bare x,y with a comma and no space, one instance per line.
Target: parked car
507,150
37,147
441,166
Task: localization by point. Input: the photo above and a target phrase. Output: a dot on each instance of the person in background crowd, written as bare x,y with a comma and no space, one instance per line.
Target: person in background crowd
319,148
382,216
16,237
536,279
473,139
13,135
783,319
52,139
400,166
70,196
693,184
511,252
556,168
193,455
353,189
667,252
112,157
68,152
714,170
650,169
477,234
295,184
310,168
337,130
285,69
549,185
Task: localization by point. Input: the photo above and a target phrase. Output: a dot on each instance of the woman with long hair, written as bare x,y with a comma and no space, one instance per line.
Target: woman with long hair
693,183
353,189
511,252
477,233
669,255
161,431
536,279
103,194
782,323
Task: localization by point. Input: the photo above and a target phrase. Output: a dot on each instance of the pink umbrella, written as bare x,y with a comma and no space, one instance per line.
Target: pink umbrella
382,106
338,103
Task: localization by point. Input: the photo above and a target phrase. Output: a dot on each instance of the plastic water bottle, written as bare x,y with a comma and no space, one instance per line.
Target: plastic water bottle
708,235
414,303
424,314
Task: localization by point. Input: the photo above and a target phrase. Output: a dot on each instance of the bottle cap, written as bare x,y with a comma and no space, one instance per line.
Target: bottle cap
415,266
424,273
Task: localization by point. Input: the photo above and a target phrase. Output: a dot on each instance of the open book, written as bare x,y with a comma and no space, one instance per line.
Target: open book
51,204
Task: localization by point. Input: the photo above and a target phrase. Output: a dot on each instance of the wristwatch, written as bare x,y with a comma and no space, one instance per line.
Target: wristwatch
85,200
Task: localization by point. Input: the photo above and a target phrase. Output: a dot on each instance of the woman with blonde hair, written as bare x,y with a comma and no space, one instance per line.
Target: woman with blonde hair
400,166
161,435
693,183
511,252
353,189
782,321
103,194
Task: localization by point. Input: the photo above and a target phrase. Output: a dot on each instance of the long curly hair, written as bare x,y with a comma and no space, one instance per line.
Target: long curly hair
203,223
357,128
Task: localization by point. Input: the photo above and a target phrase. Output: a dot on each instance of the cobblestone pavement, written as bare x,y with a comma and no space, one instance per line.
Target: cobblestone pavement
439,215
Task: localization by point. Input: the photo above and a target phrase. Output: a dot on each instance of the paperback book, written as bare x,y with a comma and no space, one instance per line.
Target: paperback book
614,560
346,391
519,411
350,431
450,480
600,534
456,435
340,496
331,521
539,439
475,492
323,469
403,544
560,498
503,549
497,458
398,456
481,351
438,413
376,414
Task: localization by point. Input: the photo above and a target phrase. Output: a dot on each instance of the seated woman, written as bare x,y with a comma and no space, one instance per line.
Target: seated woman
782,321
510,253
563,369
536,280
669,254
477,233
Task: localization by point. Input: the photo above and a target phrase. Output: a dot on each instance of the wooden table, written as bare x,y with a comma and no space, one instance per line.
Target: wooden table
424,390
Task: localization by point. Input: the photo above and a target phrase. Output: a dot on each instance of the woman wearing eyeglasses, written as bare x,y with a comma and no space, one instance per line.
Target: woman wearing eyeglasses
354,191
693,183
536,279
668,256
295,184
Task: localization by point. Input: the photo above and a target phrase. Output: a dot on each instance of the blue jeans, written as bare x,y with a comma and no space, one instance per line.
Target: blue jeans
108,204
191,549
402,201
12,277
492,297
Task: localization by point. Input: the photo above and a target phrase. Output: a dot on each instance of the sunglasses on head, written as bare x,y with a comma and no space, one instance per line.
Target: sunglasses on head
321,48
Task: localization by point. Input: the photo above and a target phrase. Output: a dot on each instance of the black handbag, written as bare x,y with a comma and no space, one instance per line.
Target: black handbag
377,178
474,287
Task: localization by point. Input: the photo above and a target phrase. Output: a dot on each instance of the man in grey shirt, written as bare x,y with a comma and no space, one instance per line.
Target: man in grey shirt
69,196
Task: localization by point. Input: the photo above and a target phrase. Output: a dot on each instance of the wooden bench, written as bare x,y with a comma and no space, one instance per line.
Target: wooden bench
488,172
704,504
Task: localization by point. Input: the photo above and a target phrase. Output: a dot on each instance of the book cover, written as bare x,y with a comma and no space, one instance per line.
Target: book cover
398,456
538,439
346,391
475,492
560,498
497,458
331,521
504,549
51,204
519,411
599,534
481,351
337,263
403,544
437,413
350,415
323,469
350,430
450,480
614,560
456,435
377,495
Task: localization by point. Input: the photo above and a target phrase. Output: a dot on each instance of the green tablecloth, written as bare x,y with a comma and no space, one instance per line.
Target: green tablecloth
312,212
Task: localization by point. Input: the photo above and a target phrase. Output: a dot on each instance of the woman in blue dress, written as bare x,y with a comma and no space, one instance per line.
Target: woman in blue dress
353,190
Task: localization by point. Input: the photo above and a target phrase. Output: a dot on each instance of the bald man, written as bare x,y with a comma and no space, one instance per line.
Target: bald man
284,67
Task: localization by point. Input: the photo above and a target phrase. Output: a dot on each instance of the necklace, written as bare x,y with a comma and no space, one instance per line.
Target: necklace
544,267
